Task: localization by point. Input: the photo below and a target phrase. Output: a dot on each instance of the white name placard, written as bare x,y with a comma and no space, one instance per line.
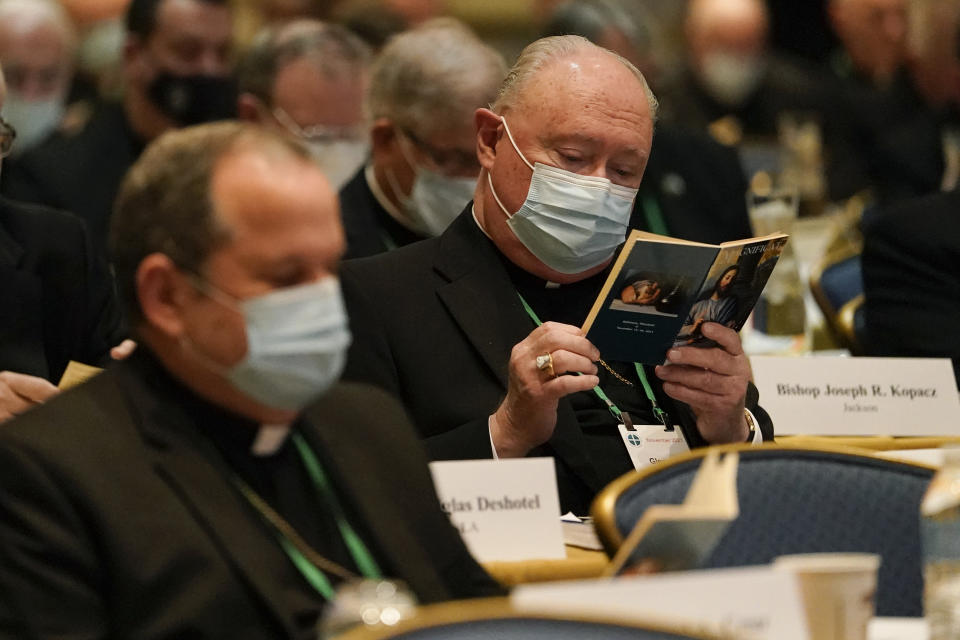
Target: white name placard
504,509
838,396
757,603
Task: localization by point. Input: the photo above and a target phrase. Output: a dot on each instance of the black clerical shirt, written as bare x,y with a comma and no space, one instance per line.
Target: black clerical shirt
279,478
570,304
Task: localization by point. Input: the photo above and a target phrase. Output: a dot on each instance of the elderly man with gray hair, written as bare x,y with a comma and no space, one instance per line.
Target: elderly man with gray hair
307,79
424,88
37,47
476,330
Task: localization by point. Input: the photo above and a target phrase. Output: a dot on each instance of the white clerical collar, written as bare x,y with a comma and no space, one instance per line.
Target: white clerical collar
473,211
270,437
382,198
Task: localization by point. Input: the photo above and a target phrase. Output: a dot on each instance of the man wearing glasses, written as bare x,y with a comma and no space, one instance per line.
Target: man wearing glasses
58,300
307,80
424,88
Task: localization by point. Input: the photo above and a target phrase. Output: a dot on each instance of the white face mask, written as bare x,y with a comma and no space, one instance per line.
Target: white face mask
571,223
435,199
34,120
730,79
297,340
339,159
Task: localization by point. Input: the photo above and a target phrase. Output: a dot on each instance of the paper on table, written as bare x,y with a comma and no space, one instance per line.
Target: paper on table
898,629
579,532
77,373
759,603
680,536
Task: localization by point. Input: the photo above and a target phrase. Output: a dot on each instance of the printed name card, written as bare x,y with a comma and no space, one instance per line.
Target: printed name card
504,509
758,602
836,396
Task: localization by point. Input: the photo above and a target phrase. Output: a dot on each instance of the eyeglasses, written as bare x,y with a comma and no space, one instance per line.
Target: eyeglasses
450,162
317,132
7,135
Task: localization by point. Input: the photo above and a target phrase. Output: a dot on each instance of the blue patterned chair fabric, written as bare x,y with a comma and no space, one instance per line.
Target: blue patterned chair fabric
842,281
798,501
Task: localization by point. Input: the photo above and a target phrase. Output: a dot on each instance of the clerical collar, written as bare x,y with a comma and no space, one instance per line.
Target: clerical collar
269,439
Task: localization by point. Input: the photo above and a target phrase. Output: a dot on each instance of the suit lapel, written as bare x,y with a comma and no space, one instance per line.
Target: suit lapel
478,283
193,470
10,250
364,494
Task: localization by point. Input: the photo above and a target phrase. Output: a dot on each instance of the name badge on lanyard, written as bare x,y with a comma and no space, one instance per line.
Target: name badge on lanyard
648,444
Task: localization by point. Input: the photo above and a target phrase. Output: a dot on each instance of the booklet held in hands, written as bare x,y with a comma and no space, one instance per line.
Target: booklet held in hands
661,290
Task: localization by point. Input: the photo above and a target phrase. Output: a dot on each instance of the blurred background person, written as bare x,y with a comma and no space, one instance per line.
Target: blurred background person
867,76
919,151
58,299
176,72
425,86
911,277
731,72
37,48
873,37
693,186
308,80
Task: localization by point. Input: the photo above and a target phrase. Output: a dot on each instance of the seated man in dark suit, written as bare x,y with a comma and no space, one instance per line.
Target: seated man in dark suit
178,494
441,324
424,88
911,279
58,301
176,63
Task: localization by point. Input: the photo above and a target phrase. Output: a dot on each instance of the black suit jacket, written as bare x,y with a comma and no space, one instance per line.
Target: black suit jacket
117,519
57,299
369,228
434,323
78,171
911,278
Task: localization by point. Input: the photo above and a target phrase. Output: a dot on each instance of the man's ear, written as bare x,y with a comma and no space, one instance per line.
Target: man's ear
382,138
489,133
163,290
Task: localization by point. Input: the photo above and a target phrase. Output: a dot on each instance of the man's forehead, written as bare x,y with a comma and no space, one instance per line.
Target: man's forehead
179,17
585,103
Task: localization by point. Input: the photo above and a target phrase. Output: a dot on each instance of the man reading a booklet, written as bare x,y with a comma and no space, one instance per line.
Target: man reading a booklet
478,330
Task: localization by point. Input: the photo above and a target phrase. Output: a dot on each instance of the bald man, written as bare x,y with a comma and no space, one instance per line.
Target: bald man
731,73
37,47
452,325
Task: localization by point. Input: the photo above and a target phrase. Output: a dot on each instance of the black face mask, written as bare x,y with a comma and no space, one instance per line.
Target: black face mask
191,100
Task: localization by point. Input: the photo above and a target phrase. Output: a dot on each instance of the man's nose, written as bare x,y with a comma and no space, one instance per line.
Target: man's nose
213,63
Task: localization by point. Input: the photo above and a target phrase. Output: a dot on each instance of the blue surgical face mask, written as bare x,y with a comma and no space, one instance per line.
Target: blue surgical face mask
435,199
571,223
297,340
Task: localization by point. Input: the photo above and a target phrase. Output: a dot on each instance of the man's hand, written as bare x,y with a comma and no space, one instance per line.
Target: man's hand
19,392
713,382
123,350
528,415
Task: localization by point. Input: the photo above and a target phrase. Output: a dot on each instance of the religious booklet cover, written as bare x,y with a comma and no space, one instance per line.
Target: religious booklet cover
661,290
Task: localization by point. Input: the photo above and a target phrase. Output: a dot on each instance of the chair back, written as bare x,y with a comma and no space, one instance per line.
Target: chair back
836,282
796,499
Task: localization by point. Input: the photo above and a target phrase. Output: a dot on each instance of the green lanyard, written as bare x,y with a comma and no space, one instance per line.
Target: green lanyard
358,550
614,410
388,240
654,216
